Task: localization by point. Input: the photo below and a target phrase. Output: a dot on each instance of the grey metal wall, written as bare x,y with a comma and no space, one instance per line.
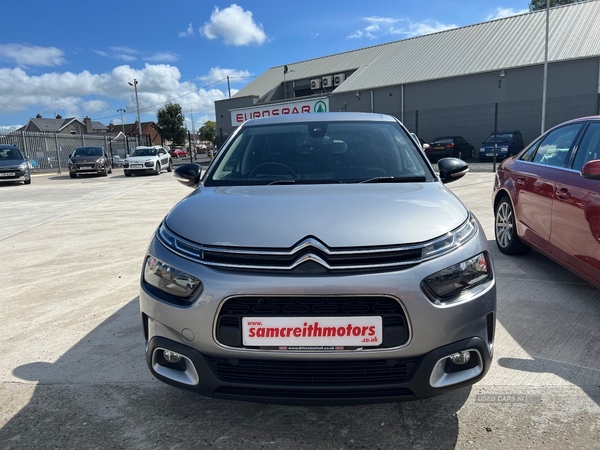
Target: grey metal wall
465,105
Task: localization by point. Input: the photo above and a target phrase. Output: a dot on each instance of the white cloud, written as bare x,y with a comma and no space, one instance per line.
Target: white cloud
187,33
235,26
72,94
217,74
383,26
164,57
9,128
31,55
505,12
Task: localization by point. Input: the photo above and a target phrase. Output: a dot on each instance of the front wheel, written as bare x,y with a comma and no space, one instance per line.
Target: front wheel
27,181
505,228
127,173
170,167
157,169
72,175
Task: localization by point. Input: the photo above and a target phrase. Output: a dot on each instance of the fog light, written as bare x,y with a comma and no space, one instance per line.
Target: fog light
459,358
173,357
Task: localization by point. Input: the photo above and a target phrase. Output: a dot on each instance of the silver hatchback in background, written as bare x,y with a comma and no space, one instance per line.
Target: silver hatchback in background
319,260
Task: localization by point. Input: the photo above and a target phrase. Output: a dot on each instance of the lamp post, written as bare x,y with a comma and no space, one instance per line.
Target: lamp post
121,110
137,105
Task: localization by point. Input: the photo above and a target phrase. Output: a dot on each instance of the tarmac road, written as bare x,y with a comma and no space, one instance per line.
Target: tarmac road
73,373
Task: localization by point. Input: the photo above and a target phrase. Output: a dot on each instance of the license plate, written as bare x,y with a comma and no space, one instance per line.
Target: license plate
438,148
489,154
311,332
136,166
7,174
86,167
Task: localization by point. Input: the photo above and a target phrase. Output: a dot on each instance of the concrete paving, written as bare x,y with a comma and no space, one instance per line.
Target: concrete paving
73,374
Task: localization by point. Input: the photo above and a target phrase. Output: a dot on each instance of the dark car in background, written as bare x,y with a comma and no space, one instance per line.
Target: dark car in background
548,198
89,160
449,146
14,166
508,143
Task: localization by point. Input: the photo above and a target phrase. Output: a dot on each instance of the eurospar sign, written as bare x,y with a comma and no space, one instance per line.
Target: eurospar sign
317,105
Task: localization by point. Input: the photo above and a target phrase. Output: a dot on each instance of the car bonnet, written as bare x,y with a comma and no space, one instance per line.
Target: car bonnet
346,215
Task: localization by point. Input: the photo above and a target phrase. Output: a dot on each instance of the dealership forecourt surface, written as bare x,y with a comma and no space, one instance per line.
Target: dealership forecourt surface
73,372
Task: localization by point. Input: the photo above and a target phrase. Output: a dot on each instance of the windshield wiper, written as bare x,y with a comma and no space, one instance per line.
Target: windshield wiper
284,181
415,179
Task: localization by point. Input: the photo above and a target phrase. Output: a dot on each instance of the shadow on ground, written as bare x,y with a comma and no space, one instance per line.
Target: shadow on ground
100,395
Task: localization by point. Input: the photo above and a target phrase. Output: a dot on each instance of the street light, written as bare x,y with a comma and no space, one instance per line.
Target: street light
121,110
137,105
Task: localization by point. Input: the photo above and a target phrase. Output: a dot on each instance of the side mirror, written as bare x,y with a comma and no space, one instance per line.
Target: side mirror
426,146
188,174
452,169
591,170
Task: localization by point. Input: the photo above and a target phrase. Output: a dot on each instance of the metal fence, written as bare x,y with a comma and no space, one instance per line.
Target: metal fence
49,152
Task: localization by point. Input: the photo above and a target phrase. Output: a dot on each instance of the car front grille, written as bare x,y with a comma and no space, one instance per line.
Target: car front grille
229,320
315,372
310,394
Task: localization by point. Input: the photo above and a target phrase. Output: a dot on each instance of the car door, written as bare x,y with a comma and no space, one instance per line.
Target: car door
575,237
535,176
163,156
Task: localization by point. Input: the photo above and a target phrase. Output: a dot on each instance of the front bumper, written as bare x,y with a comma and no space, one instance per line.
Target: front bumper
14,175
435,332
300,382
88,169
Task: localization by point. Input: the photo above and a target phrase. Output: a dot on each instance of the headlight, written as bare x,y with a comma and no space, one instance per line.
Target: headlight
23,166
169,279
451,240
482,150
149,164
452,281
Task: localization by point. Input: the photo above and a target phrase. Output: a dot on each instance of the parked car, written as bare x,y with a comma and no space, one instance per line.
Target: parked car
454,146
548,198
177,152
89,160
117,161
324,262
508,143
147,160
14,165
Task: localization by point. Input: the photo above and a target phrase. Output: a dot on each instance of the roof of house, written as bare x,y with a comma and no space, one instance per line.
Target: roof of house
131,128
501,44
52,125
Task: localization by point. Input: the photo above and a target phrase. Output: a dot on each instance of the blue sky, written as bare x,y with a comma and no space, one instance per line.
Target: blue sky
76,58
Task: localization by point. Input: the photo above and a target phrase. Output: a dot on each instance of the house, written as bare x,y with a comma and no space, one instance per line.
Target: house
131,130
70,125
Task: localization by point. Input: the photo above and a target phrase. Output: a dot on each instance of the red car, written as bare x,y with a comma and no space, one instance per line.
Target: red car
548,197
177,152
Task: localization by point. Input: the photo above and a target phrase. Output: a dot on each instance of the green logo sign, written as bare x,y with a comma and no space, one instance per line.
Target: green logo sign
320,106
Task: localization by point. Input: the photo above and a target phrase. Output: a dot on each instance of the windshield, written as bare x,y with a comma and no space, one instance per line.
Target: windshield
10,154
88,151
502,137
144,152
319,152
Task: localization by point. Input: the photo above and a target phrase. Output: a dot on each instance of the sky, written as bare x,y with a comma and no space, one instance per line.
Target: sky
77,58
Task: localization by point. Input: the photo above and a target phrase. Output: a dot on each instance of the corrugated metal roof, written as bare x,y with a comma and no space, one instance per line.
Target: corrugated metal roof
506,43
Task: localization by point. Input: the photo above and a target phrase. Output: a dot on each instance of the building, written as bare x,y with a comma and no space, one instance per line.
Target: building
131,129
449,82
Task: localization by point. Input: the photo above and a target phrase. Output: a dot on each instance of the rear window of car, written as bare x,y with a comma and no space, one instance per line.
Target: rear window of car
333,152
443,141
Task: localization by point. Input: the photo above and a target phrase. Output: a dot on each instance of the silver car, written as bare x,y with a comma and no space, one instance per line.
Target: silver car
319,260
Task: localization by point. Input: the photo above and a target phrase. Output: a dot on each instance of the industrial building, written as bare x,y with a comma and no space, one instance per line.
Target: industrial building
446,83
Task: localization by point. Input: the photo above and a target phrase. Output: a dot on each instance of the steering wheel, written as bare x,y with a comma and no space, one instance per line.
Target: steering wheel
271,163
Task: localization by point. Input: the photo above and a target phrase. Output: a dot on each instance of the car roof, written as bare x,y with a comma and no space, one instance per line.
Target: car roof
320,117
8,146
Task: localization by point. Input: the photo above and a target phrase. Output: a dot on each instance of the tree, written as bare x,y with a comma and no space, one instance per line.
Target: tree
169,121
208,131
536,5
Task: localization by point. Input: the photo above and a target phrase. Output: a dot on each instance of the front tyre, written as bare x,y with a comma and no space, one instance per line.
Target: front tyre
170,167
157,169
505,228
